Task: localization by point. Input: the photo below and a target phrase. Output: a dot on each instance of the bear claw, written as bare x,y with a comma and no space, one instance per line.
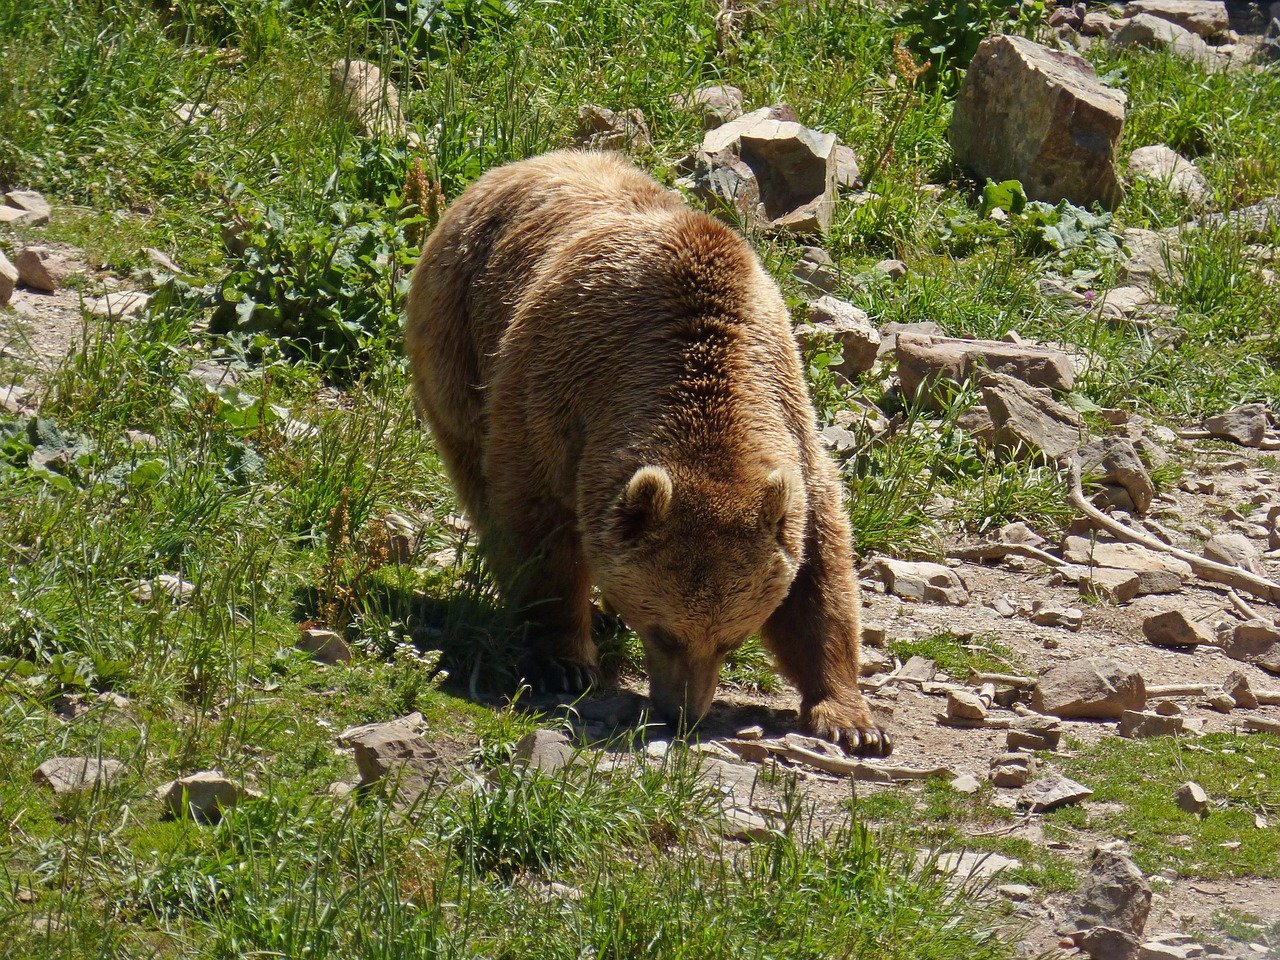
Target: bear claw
556,675
850,727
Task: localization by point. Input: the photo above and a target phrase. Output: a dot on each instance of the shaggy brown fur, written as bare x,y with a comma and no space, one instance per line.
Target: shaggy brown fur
614,387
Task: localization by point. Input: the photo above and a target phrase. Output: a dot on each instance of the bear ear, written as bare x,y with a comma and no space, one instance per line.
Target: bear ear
645,501
781,499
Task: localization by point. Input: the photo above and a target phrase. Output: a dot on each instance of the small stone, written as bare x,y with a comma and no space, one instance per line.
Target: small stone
32,204
1027,420
893,269
1157,572
962,705
834,319
1139,724
1175,630
204,796
395,748
848,176
118,304
1108,943
1052,792
1034,733
40,269
370,100
1094,687
717,103
1236,686
1046,615
8,280
1011,775
173,587
1171,946
1246,425
600,128
917,670
1220,702
1115,460
1168,708
544,750
1206,18
1113,894
1017,892
966,784
1256,642
1110,583
1163,165
927,582
1144,30
1192,798
1235,550
740,824
324,646
67,775
923,360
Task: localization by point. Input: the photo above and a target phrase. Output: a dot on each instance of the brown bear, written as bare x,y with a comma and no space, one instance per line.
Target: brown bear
613,385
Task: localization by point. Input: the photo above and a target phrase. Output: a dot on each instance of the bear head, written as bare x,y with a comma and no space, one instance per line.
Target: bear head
695,565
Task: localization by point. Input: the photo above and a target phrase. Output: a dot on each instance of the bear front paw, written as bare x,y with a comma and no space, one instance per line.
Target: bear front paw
559,675
848,724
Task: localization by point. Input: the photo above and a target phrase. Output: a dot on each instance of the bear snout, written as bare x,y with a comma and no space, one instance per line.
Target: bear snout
681,686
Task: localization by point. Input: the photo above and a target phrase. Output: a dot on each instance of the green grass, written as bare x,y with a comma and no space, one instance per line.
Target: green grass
956,655
1137,780
268,496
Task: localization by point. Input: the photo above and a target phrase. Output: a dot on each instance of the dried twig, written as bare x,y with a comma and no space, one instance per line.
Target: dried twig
979,552
1238,602
1000,679
1209,570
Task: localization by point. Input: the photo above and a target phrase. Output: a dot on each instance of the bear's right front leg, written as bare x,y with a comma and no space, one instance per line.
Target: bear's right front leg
814,634
545,583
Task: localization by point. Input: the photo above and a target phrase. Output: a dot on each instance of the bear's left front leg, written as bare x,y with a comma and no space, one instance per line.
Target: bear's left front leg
814,634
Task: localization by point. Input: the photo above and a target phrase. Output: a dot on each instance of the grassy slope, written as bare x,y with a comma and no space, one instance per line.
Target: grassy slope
275,525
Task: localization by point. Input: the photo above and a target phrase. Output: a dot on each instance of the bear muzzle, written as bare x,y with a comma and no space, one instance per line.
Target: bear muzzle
681,686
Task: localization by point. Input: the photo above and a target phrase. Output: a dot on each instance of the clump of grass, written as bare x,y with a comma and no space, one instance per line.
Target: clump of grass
957,655
1135,784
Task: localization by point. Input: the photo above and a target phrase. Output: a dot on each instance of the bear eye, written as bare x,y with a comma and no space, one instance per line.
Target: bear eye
663,639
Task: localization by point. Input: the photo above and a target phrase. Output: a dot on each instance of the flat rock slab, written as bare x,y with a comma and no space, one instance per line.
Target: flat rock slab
1256,642
1041,116
1157,572
1205,18
927,582
1144,30
1165,165
1140,724
1246,425
67,775
922,360
1052,792
1099,688
545,751
969,863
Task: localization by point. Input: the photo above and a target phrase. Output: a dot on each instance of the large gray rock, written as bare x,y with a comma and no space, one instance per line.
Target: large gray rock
1098,688
1205,18
1024,417
64,775
775,173
1052,792
830,318
1115,460
1173,629
370,100
1040,116
41,269
1113,894
922,360
1144,30
544,750
1164,165
1236,550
